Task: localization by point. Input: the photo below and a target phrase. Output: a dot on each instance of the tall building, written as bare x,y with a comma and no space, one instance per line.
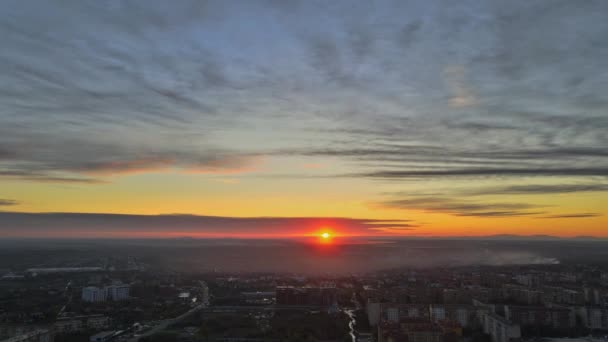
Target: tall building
117,292
374,310
205,292
93,294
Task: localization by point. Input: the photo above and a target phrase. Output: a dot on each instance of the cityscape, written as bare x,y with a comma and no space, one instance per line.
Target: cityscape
304,171
76,291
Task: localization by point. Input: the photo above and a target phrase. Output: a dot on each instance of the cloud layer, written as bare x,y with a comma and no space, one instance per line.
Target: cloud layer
391,91
461,208
61,225
142,86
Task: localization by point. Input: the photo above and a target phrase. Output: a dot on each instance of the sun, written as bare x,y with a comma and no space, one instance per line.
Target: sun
324,236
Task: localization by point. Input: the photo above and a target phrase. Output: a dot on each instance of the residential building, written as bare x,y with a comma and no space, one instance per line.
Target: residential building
500,329
117,292
555,317
93,294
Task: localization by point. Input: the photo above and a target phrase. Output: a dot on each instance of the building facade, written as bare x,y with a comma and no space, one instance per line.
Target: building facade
93,294
500,329
117,292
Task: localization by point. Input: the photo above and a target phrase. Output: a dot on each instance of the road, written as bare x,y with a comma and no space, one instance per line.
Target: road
164,324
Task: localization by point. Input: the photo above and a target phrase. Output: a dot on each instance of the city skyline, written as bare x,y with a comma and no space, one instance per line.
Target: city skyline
281,119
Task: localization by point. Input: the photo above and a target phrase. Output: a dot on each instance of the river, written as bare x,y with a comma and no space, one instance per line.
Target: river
352,315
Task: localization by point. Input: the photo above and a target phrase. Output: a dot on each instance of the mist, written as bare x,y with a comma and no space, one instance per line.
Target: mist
301,257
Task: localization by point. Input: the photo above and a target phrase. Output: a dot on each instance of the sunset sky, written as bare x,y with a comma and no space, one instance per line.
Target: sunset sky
284,118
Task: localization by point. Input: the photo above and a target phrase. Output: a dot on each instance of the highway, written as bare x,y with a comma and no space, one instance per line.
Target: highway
164,324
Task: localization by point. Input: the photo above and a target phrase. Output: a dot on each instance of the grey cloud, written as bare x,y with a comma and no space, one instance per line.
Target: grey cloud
407,35
362,43
540,189
32,176
413,155
147,84
85,224
393,225
573,172
500,213
97,95
576,215
480,126
6,154
217,163
7,202
328,57
549,153
46,164
460,207
538,118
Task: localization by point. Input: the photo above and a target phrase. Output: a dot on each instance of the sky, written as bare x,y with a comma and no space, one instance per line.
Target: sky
282,118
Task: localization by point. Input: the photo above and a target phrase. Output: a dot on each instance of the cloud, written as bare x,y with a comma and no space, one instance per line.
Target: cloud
146,110
91,162
396,90
326,56
408,34
217,164
500,213
461,207
126,166
471,172
33,176
464,202
228,164
575,215
45,225
415,160
7,202
540,189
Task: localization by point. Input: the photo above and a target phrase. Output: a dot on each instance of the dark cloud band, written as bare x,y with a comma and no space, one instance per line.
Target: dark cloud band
15,224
